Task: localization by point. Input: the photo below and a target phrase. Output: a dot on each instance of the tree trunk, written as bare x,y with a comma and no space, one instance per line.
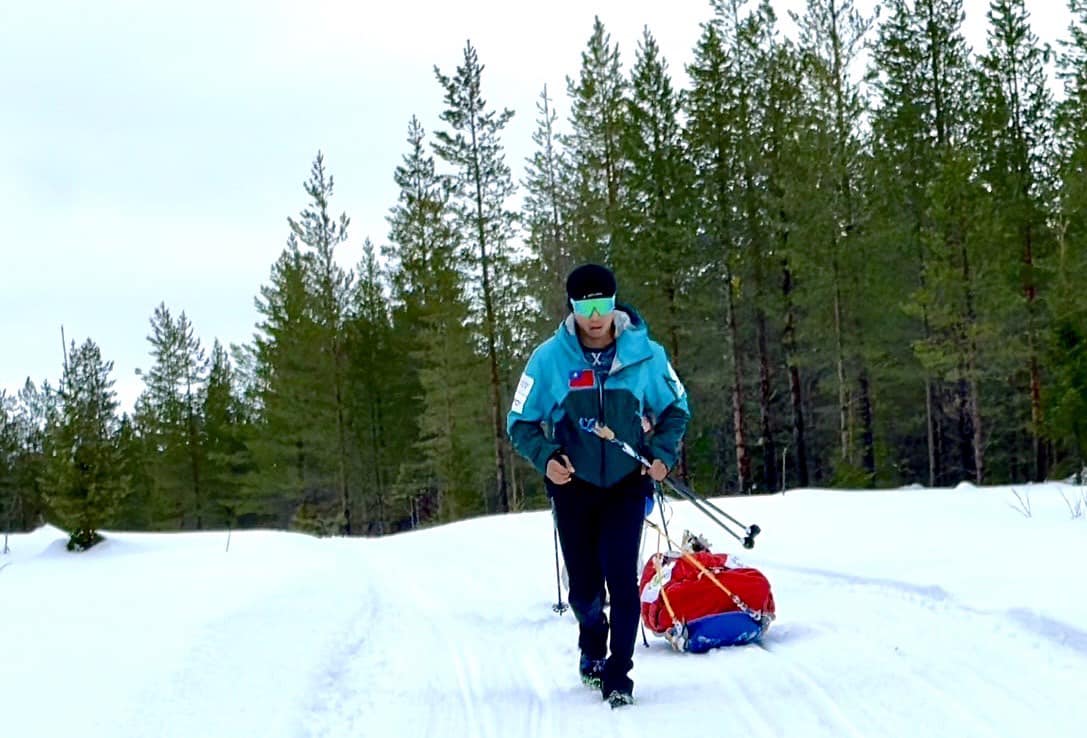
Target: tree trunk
930,428
498,427
1030,291
743,462
769,448
194,461
796,390
970,346
868,444
377,433
843,391
341,462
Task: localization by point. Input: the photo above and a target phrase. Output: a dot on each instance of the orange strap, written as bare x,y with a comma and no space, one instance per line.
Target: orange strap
657,557
744,607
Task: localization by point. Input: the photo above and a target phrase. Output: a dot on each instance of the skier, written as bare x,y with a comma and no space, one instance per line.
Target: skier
600,367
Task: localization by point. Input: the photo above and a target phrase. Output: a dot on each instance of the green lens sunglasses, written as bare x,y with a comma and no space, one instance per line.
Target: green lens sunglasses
599,305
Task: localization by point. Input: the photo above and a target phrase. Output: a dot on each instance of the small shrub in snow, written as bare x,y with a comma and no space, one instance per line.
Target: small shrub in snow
83,539
1077,507
1022,503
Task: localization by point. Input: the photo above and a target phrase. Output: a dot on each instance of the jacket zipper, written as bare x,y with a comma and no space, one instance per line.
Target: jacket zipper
603,421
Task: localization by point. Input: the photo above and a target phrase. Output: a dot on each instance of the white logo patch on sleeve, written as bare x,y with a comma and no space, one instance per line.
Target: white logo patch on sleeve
524,388
680,390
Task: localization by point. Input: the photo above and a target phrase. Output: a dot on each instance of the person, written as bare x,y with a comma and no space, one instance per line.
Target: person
600,367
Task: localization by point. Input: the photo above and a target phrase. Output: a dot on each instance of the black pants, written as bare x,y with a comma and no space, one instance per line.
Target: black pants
601,531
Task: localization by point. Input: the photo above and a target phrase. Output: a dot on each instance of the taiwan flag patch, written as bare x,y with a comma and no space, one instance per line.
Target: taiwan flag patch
582,379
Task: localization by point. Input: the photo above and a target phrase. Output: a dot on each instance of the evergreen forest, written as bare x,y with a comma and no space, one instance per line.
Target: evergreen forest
863,246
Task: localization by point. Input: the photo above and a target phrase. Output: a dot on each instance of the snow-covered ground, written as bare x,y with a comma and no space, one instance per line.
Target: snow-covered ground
915,613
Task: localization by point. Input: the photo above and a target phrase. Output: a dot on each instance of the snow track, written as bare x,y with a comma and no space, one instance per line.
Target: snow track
449,632
465,652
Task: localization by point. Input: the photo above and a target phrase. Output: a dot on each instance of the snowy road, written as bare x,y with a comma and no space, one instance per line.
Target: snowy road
473,644
450,632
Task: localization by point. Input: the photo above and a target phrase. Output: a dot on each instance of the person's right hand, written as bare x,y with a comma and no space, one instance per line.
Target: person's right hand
560,470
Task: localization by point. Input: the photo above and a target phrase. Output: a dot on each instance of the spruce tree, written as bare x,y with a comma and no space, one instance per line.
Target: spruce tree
752,41
318,234
169,413
711,139
1013,140
381,387
832,35
1067,402
546,214
228,460
482,185
657,262
9,455
785,118
598,108
447,382
290,442
34,407
82,482
921,76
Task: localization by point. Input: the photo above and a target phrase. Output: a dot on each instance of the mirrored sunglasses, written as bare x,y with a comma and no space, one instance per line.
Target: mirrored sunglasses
599,305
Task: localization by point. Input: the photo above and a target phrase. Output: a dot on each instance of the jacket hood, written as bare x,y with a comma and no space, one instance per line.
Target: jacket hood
631,336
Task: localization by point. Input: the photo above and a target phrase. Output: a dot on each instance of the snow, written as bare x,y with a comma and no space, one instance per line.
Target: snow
912,612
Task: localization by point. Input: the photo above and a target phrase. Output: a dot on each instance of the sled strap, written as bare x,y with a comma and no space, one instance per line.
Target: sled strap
756,615
657,557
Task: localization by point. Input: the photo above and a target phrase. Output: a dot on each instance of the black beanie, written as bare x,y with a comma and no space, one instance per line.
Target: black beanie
590,280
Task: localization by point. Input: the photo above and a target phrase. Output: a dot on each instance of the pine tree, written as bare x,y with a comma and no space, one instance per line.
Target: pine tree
9,454
33,408
82,482
546,213
785,118
832,34
1067,405
138,453
482,186
228,460
710,111
318,235
169,413
598,107
430,328
1071,131
752,42
657,263
290,444
1014,148
380,388
922,78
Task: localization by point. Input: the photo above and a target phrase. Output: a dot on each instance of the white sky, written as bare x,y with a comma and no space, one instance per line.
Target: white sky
152,151
909,613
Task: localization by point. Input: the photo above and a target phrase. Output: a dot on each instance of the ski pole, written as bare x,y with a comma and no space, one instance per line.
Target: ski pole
701,503
559,607
748,539
752,530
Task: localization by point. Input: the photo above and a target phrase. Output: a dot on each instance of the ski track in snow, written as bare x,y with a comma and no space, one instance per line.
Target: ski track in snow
849,671
449,631
283,632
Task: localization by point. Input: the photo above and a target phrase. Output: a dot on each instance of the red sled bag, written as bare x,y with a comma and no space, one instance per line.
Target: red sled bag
699,600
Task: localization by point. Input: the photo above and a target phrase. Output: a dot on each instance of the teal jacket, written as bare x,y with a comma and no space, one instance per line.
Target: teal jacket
558,396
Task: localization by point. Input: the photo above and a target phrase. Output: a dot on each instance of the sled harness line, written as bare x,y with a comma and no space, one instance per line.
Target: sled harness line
762,618
657,558
703,505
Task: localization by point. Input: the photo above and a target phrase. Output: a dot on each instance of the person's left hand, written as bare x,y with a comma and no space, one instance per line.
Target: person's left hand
658,470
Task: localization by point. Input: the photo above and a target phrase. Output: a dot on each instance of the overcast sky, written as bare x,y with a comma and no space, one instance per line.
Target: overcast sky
151,152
